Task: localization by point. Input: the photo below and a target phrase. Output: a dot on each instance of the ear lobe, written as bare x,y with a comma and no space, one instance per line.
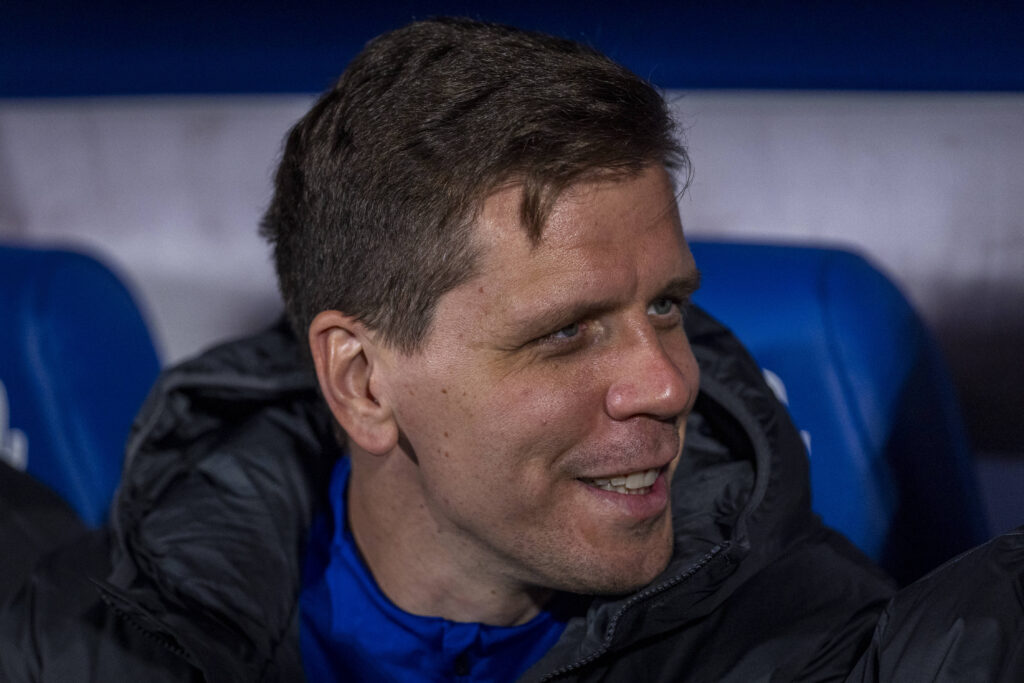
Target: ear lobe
344,356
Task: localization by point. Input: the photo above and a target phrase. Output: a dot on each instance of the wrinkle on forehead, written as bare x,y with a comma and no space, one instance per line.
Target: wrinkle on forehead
568,226
503,207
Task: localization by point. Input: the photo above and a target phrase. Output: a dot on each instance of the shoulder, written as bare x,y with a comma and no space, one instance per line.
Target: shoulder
964,621
56,627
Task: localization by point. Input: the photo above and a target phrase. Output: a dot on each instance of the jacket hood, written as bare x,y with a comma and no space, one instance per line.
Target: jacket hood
223,471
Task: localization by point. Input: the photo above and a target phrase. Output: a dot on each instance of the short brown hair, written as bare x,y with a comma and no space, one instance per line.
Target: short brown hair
380,182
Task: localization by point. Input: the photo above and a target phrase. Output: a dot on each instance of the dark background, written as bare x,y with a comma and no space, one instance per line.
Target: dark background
110,48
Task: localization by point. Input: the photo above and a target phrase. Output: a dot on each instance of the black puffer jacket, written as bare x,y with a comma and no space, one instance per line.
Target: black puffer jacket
198,576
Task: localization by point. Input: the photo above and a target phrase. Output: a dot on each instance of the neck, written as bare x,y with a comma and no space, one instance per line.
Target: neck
422,566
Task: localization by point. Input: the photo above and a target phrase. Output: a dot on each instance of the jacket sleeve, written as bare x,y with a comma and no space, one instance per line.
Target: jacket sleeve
962,622
34,521
57,629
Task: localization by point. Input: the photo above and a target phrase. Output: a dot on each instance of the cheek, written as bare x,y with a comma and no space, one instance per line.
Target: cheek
433,416
500,449
544,418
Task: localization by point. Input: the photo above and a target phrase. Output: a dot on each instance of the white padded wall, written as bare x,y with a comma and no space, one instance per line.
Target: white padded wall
168,189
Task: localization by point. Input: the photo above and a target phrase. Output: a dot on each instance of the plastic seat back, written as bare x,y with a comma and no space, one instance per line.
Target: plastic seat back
76,361
890,462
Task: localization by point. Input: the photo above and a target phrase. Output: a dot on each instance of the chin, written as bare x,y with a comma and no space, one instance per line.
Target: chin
631,579
619,574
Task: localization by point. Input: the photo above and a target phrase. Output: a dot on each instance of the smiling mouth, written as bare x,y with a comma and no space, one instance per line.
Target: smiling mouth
632,484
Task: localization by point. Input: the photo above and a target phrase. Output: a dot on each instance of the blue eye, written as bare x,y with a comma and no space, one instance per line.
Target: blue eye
567,332
662,306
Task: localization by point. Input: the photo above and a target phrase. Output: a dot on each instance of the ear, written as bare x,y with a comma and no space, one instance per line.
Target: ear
344,354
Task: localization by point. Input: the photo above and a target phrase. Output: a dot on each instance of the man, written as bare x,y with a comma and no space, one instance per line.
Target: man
476,230
487,448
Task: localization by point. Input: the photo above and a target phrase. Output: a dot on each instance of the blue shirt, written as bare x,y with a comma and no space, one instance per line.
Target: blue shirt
351,631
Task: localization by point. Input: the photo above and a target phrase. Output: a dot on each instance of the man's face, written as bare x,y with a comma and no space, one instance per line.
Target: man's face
544,411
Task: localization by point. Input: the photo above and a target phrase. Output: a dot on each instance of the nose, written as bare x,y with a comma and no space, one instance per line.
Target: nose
656,377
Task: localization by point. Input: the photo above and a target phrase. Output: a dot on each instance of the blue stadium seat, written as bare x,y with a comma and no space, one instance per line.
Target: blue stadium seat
890,462
76,361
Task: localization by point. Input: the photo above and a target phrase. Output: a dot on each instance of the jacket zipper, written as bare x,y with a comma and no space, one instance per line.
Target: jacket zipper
639,597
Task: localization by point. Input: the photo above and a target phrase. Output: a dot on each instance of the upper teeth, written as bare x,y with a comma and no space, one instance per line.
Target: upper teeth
634,482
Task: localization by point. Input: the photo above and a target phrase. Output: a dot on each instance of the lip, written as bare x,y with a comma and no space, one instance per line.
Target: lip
661,467
651,451
640,506
662,464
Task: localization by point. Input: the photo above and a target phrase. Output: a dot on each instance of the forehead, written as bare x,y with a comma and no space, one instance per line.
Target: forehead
582,209
609,222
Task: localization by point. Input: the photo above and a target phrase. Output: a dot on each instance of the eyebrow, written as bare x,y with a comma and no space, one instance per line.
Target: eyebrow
682,288
565,313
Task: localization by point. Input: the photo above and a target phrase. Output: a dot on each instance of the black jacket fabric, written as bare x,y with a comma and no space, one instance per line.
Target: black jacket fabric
198,575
